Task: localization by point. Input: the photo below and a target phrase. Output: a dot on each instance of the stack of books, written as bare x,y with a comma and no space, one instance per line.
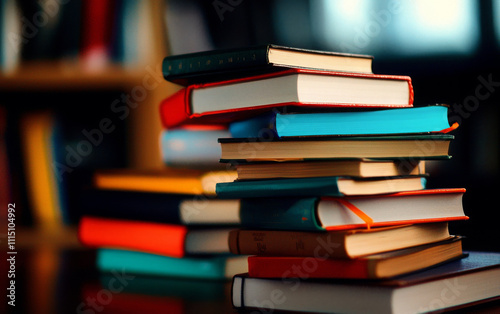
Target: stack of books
332,202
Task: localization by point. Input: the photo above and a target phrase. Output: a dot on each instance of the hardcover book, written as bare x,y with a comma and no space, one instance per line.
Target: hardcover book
349,244
413,147
233,100
223,64
326,213
317,186
463,282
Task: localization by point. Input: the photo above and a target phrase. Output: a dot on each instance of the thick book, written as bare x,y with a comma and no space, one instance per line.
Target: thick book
176,181
150,237
412,147
326,213
233,100
374,266
223,64
192,147
317,186
463,282
204,267
158,207
319,168
388,121
350,243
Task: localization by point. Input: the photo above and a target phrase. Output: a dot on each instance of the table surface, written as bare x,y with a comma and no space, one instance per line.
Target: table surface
50,280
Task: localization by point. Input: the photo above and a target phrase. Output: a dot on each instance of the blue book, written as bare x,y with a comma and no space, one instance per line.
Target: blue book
317,186
387,121
133,262
192,148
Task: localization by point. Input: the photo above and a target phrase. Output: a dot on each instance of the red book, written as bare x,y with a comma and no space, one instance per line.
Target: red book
149,237
233,100
375,266
97,21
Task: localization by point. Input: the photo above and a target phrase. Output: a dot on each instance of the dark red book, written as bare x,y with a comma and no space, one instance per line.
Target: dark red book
238,99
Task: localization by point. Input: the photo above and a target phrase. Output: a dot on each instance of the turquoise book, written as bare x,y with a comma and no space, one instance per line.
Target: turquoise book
317,186
388,121
134,262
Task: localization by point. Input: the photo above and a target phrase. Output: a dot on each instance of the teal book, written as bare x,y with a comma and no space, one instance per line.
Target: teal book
134,262
388,121
317,186
326,213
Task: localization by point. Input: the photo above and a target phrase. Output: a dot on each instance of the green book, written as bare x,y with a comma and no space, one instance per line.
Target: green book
317,186
133,262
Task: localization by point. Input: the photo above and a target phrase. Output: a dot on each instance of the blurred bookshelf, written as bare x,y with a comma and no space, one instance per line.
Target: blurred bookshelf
74,87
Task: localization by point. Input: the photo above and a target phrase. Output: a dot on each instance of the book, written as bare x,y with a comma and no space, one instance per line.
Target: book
318,168
150,237
176,181
204,267
192,147
413,147
223,64
326,213
233,100
456,284
374,266
372,122
158,207
351,243
317,186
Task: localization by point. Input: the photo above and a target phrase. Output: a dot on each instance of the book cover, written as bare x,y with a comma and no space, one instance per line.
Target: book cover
324,213
151,237
463,282
390,121
224,64
222,102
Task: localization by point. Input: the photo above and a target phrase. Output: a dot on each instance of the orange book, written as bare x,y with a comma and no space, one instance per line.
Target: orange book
179,181
149,237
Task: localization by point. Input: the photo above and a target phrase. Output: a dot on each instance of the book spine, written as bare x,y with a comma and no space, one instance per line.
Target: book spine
317,186
175,109
280,213
155,238
143,206
287,243
175,67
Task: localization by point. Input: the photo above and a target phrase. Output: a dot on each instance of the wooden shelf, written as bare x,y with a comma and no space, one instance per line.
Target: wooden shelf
61,76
